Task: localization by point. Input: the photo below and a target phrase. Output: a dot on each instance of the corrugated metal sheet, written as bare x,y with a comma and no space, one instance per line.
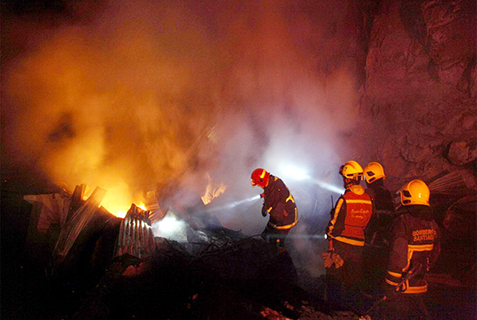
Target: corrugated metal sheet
79,220
54,209
135,234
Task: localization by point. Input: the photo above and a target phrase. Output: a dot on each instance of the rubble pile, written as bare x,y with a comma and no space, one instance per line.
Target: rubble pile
177,285
117,269
97,266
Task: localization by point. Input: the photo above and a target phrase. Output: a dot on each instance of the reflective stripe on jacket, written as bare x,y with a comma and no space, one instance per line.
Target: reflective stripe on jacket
351,216
415,246
280,204
284,227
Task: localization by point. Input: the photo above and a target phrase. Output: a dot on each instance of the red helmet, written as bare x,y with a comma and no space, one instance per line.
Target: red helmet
260,177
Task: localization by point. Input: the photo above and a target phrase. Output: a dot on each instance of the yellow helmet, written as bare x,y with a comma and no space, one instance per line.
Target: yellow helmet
415,192
373,171
352,170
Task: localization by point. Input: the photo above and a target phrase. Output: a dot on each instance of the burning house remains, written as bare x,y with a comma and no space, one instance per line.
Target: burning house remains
166,107
208,271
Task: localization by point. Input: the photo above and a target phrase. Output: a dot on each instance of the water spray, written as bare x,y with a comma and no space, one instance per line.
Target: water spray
299,174
328,186
235,203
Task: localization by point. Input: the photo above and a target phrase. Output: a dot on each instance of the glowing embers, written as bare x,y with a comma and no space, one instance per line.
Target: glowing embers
115,200
119,198
212,191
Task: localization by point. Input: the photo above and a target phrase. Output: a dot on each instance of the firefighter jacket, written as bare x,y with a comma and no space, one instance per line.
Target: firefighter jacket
415,245
350,217
279,203
384,213
381,197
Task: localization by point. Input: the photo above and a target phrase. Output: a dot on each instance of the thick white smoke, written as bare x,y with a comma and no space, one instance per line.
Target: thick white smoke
134,96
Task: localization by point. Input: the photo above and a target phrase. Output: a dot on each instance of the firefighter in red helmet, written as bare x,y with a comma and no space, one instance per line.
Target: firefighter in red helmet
415,246
346,235
279,203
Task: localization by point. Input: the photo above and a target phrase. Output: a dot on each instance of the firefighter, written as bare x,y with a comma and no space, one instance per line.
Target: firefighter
278,202
376,253
346,237
383,202
415,246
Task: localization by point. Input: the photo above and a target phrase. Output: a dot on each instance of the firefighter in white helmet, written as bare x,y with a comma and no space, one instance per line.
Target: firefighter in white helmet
346,235
415,246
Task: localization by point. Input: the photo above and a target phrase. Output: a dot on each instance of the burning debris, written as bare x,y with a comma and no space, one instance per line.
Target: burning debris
65,226
135,234
212,191
147,272
174,265
127,94
77,222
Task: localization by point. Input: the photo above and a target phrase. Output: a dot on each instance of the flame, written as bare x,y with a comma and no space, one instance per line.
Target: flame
212,191
122,213
118,199
142,206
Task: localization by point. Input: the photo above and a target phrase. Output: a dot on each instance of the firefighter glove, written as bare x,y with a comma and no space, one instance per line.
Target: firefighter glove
264,212
332,258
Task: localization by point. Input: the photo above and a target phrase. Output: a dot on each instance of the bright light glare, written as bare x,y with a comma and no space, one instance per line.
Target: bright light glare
295,173
168,227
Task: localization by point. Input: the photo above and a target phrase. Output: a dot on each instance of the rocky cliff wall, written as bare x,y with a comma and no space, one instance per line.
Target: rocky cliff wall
418,106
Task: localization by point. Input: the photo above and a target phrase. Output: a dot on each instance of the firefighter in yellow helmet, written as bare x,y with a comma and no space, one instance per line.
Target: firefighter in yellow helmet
346,236
376,254
381,196
278,202
415,246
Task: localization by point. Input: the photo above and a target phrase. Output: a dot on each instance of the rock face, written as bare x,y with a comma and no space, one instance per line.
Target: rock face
462,152
418,108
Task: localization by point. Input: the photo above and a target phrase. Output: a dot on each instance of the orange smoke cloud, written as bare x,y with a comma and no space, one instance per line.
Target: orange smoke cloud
124,102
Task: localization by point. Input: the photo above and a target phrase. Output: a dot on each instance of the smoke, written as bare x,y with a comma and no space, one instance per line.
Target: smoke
133,96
